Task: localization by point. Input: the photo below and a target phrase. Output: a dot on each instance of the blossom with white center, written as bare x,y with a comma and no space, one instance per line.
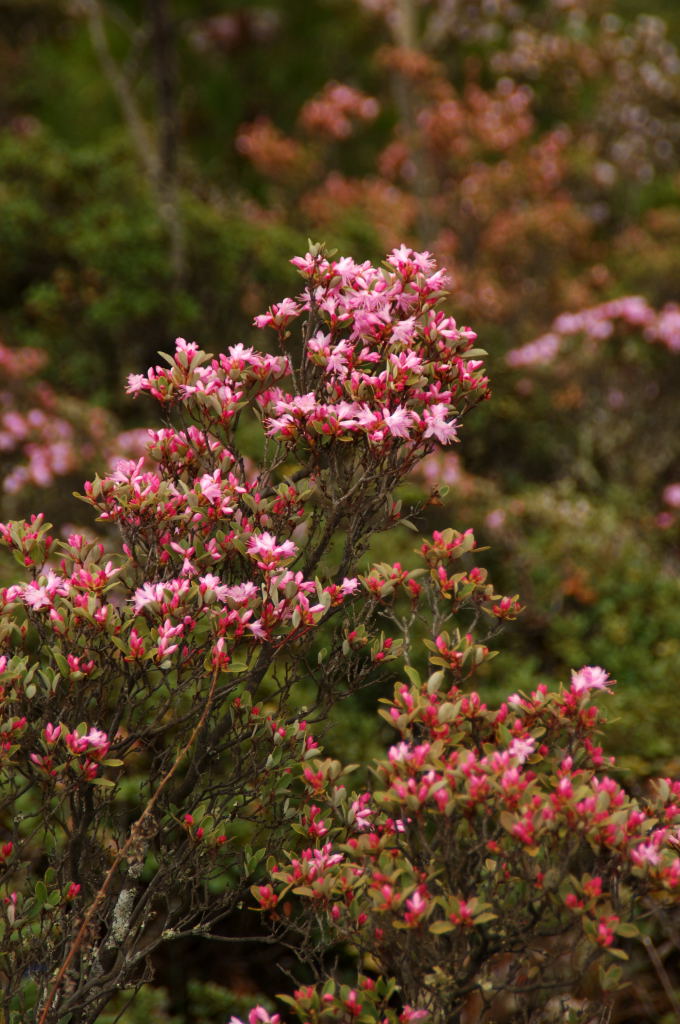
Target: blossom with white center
136,383
240,353
98,742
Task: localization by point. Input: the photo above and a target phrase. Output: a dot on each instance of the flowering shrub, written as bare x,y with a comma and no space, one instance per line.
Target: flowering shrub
155,698
607,374
493,856
42,435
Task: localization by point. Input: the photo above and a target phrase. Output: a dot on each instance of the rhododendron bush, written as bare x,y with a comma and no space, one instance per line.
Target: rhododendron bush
160,697
43,435
197,636
494,854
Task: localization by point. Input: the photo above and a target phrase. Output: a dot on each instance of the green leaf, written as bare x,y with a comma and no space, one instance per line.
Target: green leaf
62,663
447,712
618,953
441,927
435,681
413,675
627,930
254,859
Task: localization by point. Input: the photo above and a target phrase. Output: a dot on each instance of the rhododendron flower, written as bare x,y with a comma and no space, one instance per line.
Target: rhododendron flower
51,733
671,495
268,552
258,1015
398,422
522,748
590,678
410,1016
136,383
41,593
437,425
98,742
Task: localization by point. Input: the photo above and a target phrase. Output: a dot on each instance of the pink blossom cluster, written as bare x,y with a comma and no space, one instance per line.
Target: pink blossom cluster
316,1005
369,1001
160,619
211,572
47,442
599,323
42,436
85,751
385,365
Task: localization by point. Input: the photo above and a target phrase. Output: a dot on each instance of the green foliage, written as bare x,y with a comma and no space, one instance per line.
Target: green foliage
87,256
208,1003
597,590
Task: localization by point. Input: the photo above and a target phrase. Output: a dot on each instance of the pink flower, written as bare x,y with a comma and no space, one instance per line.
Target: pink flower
410,1016
437,426
590,678
148,593
52,733
41,593
240,593
522,748
98,742
416,907
671,495
398,422
265,549
646,853
260,1016
136,382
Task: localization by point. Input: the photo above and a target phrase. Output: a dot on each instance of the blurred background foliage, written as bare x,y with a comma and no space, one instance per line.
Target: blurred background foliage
160,162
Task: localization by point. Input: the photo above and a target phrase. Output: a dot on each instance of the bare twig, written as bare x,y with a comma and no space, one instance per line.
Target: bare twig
662,975
157,152
145,144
